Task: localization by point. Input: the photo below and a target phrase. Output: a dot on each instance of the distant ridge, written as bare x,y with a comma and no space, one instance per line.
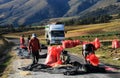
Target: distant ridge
26,12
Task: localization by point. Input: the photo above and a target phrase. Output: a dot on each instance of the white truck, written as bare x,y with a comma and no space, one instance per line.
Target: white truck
54,33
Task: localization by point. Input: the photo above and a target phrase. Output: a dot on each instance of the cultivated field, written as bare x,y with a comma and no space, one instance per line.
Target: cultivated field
73,31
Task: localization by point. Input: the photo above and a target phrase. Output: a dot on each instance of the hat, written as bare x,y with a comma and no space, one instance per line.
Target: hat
34,35
93,59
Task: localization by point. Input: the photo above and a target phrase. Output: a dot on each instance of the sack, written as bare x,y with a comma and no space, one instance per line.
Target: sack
93,59
97,43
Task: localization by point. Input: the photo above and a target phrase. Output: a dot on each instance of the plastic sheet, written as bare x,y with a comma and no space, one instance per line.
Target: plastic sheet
23,53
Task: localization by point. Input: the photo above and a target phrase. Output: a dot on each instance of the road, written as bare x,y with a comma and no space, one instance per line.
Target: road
18,63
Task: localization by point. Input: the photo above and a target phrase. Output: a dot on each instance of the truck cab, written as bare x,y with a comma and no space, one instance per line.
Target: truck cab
54,33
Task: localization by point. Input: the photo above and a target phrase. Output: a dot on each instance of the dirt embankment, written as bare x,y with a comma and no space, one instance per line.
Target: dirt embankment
5,56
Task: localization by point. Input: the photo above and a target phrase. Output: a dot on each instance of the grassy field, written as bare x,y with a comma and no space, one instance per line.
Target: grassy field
106,32
113,26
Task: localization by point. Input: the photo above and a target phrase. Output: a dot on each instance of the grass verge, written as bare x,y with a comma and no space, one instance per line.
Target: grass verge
8,66
5,56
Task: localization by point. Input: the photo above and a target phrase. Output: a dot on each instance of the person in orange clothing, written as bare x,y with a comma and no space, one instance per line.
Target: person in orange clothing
34,48
22,41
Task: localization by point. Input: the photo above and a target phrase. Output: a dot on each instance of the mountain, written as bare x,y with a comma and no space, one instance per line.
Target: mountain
19,12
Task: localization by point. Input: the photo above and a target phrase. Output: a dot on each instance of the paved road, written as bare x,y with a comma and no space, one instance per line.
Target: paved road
17,63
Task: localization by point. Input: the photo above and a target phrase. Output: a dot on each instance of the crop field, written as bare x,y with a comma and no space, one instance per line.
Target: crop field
73,31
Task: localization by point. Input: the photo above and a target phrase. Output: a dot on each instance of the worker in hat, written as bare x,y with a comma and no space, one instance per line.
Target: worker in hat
34,48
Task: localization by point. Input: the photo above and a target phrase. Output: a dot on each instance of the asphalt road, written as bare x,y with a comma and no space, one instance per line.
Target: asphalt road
17,63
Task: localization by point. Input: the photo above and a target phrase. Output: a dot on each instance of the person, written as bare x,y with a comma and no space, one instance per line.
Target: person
65,57
22,42
28,39
34,48
87,49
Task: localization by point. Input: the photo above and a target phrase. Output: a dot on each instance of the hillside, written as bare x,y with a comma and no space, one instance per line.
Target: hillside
19,12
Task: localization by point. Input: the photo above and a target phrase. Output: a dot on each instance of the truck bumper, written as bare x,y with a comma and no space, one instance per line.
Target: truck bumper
56,42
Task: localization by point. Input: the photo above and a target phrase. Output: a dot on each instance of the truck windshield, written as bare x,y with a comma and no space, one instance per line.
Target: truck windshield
57,33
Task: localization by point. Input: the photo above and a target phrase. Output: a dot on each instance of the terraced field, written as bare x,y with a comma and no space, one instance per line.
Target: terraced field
73,31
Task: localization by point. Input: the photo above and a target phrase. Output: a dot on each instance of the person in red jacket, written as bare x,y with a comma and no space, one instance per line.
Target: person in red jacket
22,41
34,48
